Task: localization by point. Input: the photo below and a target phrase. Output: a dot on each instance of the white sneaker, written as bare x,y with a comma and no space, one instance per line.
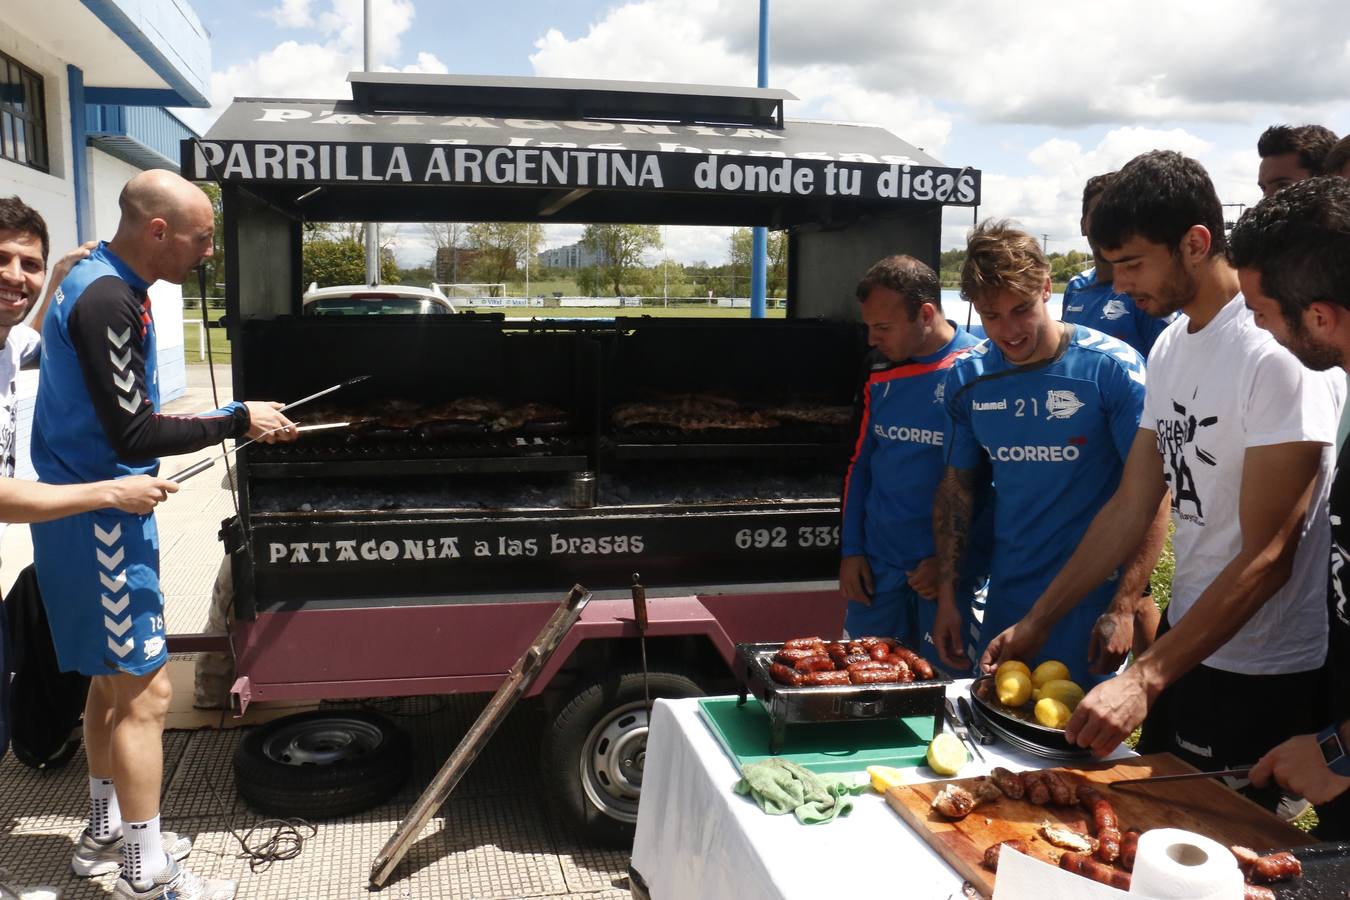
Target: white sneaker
177,883
93,857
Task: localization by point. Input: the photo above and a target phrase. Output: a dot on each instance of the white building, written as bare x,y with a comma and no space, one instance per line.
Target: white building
572,256
83,84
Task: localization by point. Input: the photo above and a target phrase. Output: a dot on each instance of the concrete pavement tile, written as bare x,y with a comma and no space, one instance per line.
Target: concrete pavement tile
53,798
43,857
204,780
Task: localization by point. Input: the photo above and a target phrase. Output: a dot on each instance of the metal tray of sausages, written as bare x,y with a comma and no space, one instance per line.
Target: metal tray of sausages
787,705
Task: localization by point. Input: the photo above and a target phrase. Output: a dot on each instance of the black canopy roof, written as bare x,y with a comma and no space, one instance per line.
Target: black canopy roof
528,149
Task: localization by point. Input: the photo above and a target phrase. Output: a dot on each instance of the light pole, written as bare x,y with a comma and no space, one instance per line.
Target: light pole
759,235
372,228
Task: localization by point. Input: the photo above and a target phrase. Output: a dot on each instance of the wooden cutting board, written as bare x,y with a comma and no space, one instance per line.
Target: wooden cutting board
1203,805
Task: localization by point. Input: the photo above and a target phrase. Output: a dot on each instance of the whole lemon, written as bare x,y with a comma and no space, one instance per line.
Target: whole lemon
1051,713
1050,670
1010,666
1014,687
1066,692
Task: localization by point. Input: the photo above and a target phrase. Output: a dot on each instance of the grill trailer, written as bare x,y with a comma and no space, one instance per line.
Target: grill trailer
493,462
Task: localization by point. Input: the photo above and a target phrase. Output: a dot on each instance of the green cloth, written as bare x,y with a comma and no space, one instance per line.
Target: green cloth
781,787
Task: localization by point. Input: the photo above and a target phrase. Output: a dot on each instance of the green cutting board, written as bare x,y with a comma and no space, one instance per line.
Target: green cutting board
743,731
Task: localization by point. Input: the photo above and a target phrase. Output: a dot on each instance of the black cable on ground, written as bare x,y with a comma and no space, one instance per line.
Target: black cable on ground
268,841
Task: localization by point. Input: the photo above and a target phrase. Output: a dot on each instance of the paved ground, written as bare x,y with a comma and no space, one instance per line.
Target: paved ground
493,839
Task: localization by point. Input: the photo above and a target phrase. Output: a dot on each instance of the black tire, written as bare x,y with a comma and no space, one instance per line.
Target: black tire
595,751
322,764
57,760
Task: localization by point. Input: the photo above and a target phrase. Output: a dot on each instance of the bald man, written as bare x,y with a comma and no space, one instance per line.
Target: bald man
97,417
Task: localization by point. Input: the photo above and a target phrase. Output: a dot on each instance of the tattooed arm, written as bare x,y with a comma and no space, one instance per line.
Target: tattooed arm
953,506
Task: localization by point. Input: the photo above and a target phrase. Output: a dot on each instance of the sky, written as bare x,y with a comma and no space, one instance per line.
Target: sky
1039,95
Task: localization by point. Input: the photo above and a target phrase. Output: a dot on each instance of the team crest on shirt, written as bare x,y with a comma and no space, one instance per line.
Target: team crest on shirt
940,392
153,647
1061,404
1115,308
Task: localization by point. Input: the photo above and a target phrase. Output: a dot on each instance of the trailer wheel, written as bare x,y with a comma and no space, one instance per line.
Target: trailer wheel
596,748
322,764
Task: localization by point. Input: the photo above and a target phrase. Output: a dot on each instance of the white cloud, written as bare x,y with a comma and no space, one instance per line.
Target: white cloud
291,14
316,68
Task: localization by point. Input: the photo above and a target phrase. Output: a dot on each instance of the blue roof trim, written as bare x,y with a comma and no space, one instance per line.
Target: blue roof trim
110,96
110,13
145,137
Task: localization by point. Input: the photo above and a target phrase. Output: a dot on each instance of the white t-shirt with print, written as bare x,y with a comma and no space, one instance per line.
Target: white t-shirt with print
21,348
1211,394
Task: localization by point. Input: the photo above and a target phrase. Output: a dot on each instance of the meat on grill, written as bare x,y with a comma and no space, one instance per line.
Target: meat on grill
706,411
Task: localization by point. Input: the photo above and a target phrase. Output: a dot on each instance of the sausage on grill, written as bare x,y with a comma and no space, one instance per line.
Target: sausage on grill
817,663
884,675
785,674
803,643
790,657
923,669
831,677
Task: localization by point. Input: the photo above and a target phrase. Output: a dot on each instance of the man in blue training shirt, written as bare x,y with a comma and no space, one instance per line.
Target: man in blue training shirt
888,572
97,417
1054,407
1091,298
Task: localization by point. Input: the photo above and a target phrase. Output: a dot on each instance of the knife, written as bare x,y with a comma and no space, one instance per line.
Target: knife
968,716
1186,776
960,730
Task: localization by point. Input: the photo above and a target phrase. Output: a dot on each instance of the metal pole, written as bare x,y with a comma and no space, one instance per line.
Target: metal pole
759,236
372,228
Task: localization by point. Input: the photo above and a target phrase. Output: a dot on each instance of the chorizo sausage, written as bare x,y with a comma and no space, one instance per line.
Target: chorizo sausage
1063,792
1086,866
1037,791
991,855
1276,867
831,677
818,663
923,669
785,674
1010,783
806,643
1129,846
1104,817
790,657
883,675
878,651
865,665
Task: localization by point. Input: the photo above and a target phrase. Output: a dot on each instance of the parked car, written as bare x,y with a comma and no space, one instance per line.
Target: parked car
376,300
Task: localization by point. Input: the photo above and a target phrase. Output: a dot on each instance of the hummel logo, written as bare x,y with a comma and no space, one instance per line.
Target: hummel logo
124,382
120,362
119,340
117,628
108,538
116,607
130,404
110,562
123,648
114,585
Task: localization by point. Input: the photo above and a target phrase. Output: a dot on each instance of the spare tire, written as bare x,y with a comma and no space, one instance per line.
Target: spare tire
322,764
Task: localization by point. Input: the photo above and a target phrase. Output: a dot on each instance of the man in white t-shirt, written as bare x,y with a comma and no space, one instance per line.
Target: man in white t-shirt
1243,435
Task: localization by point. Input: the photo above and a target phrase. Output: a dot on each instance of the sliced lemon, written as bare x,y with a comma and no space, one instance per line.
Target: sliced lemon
1014,687
1050,670
884,777
946,754
1052,713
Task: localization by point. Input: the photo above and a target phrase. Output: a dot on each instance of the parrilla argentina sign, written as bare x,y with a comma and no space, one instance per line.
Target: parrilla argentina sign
313,143
422,164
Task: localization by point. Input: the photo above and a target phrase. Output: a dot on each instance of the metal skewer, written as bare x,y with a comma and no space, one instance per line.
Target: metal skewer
328,390
200,467
1152,779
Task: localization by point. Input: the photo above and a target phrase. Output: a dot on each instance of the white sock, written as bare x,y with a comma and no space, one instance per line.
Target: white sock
143,854
105,819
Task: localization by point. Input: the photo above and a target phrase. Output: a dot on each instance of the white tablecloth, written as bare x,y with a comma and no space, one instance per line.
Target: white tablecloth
696,838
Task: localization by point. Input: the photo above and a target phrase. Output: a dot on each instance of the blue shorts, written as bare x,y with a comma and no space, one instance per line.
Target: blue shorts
99,575
1069,639
898,612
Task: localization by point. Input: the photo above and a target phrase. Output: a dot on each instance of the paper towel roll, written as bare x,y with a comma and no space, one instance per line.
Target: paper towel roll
1172,864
